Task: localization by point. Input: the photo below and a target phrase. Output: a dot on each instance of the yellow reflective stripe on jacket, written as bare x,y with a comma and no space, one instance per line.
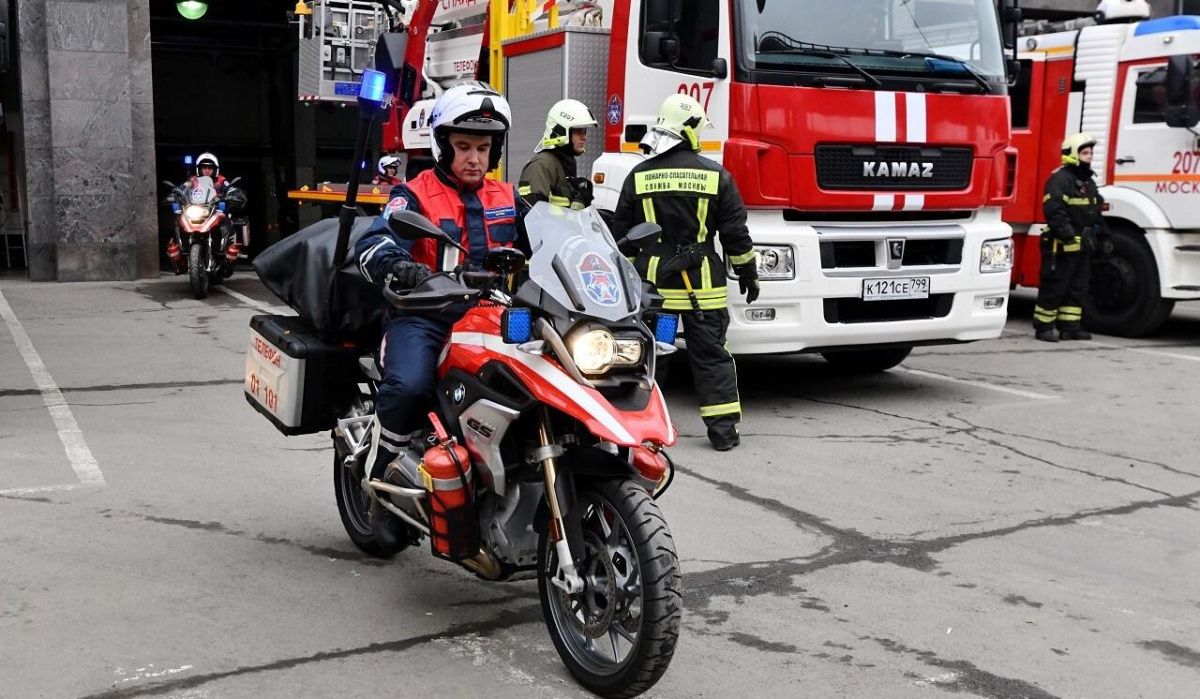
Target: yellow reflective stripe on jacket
705,274
686,304
1073,247
648,210
722,409
525,190
716,292
1077,201
652,269
677,180
741,259
560,201
702,214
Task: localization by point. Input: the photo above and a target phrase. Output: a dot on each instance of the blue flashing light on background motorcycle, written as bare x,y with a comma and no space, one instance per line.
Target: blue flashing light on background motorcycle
516,325
373,86
666,326
220,206
176,208
187,160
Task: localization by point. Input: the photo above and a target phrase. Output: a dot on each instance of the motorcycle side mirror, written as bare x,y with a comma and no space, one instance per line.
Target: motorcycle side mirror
641,234
504,261
169,184
409,225
234,181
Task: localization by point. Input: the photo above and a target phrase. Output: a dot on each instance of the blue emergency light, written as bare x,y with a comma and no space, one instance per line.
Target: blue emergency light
373,87
220,206
516,325
176,208
666,326
187,160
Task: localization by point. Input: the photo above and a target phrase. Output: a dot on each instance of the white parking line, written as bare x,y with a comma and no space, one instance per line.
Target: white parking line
82,461
1152,352
980,384
265,308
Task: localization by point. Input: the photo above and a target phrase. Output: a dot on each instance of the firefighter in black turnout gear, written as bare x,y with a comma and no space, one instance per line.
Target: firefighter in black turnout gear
1075,230
694,200
551,174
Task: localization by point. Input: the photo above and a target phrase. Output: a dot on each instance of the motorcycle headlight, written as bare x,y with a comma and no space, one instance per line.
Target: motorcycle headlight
593,351
996,256
629,353
196,213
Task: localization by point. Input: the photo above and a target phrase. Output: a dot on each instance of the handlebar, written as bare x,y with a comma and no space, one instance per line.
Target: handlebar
434,294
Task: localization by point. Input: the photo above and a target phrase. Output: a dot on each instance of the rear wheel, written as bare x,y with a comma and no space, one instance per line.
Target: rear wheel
354,505
1123,296
618,635
198,270
867,361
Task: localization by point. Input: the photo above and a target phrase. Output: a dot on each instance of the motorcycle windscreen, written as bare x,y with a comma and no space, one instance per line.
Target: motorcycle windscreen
575,260
203,192
299,270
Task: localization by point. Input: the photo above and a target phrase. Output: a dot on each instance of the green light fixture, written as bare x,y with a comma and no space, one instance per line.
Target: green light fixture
191,9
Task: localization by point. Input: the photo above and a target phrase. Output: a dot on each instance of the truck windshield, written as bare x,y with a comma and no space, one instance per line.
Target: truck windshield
943,40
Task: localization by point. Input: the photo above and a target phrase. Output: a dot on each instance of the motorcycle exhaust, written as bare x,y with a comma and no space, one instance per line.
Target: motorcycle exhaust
484,564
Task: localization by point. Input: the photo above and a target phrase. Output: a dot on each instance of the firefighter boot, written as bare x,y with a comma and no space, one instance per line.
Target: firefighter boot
1046,335
723,433
1075,334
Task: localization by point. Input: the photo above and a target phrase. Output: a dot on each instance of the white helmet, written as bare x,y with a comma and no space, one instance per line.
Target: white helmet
388,161
471,107
564,116
210,159
680,120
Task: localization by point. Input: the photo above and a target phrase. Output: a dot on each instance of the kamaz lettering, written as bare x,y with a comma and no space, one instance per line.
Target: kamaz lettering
897,169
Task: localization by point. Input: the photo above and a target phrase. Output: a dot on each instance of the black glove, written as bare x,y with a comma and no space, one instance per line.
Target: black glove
1104,243
748,286
581,190
406,274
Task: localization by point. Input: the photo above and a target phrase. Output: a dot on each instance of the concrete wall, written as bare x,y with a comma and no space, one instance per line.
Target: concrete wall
88,131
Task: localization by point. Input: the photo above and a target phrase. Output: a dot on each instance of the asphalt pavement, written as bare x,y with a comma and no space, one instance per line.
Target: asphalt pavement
998,519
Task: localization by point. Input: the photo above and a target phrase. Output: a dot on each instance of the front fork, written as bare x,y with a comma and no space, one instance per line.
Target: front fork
566,578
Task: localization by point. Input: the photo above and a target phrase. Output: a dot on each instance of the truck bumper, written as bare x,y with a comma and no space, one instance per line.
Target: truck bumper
822,306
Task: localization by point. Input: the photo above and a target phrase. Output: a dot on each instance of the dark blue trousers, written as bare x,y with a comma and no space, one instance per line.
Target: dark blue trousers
410,350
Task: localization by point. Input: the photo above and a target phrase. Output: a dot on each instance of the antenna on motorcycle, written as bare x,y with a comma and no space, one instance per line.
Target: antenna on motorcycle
438,428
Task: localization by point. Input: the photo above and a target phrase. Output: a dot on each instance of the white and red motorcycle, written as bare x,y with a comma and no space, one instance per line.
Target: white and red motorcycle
205,243
545,452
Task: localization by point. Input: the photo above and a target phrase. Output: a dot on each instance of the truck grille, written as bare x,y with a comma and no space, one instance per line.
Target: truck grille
893,168
851,254
859,311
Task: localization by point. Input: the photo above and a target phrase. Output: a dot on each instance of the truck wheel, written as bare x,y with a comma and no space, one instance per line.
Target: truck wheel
867,361
1124,296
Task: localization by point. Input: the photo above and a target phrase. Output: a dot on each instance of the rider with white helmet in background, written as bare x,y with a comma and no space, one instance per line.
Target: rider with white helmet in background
388,171
551,174
470,122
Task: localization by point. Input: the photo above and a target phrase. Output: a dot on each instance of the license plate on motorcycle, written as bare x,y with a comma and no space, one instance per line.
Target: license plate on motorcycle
895,288
272,379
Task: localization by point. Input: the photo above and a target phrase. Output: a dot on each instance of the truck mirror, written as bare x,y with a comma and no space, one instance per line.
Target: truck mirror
660,48
1182,108
720,68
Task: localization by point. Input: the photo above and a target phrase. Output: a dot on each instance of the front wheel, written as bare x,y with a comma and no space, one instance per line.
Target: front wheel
198,270
1123,296
867,361
618,635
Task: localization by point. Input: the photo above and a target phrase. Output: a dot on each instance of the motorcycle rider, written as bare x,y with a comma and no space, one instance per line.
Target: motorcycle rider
551,174
469,124
1075,229
207,165
694,200
388,169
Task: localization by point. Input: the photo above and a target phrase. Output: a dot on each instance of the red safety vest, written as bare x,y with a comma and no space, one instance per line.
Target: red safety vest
481,219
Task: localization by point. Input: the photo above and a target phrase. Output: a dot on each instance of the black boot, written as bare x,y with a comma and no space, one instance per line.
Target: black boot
723,434
1046,335
1075,334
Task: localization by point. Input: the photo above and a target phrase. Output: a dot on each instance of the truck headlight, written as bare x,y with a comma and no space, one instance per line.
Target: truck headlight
996,256
594,351
774,262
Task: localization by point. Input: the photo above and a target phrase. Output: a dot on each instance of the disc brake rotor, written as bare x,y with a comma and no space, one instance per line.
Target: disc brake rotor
597,603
